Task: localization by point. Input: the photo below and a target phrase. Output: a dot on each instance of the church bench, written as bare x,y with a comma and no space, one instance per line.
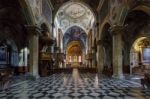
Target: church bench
146,80
5,76
108,71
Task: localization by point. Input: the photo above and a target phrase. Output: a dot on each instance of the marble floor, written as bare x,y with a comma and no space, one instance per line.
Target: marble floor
76,86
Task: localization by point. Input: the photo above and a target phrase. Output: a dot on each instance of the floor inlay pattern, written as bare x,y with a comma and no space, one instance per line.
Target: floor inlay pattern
76,86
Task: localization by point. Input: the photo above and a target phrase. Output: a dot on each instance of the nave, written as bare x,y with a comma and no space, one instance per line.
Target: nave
76,85
75,49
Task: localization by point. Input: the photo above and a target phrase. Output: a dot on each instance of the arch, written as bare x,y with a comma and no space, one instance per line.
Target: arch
139,31
104,24
137,53
137,39
11,43
69,36
28,13
81,45
74,53
143,8
105,27
12,51
106,40
135,44
138,18
74,26
73,43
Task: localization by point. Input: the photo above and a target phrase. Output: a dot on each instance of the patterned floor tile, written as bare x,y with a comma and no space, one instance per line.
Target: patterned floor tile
73,86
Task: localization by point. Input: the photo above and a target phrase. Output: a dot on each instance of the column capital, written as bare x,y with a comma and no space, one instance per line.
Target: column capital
93,47
117,29
100,42
34,30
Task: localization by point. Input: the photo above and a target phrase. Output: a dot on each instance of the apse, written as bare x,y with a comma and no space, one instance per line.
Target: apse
74,42
74,33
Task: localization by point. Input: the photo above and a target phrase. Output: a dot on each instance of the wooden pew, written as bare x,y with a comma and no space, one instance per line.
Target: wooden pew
108,71
146,80
5,76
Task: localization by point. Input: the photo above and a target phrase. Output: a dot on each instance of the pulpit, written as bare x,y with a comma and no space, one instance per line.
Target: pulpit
46,63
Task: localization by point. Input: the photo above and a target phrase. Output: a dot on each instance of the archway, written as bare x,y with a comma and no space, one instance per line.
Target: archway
137,27
74,42
105,49
74,54
140,55
8,54
74,19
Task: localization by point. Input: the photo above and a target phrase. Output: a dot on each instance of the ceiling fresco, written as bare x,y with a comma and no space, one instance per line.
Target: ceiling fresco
75,11
74,14
36,6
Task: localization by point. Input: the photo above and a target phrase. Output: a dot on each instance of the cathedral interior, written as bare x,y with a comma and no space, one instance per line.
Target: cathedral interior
74,49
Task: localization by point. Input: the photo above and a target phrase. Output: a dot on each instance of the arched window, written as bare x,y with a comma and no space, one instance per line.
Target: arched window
5,54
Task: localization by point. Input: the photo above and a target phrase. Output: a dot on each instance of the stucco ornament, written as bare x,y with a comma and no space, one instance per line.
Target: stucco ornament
75,11
36,6
74,14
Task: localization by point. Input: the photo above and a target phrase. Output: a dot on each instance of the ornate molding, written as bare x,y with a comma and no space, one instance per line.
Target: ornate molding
117,29
94,49
89,56
34,30
47,40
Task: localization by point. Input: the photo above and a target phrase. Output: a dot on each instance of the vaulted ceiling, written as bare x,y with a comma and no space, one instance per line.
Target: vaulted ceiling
11,21
92,3
74,34
74,14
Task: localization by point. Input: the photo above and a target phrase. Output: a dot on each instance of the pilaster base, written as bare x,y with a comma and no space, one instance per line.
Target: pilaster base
118,76
36,76
100,74
33,76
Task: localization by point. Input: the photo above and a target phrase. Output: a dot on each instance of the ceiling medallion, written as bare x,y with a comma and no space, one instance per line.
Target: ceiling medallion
61,14
75,10
65,22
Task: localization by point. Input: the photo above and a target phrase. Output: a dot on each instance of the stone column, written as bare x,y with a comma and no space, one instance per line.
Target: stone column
93,58
90,59
126,59
117,32
34,50
100,57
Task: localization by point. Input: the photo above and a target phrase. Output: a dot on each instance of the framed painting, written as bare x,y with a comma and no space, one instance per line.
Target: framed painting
3,57
146,55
